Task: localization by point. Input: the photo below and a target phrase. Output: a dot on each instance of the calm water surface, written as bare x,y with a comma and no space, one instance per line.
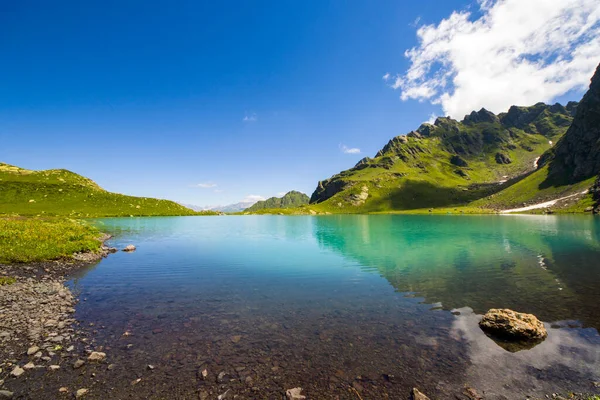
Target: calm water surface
345,306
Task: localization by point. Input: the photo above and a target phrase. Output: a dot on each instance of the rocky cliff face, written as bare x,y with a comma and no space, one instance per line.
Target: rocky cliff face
577,155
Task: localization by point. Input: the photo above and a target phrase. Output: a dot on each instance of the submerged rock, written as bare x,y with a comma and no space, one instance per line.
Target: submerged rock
512,325
294,394
97,356
416,395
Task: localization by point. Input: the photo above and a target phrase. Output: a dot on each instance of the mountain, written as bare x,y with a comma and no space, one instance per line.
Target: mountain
290,199
232,208
62,192
448,163
568,169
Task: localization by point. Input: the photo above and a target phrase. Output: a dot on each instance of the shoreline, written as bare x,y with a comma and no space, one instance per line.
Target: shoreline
38,330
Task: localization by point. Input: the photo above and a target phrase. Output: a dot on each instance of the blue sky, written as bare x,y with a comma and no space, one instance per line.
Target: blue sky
210,102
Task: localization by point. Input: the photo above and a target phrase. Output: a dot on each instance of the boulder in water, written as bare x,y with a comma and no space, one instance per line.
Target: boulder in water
512,325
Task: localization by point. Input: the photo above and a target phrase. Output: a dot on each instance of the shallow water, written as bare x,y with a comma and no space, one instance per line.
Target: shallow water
344,306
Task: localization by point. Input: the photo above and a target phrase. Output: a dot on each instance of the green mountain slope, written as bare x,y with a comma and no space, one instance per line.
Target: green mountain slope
290,199
449,163
62,192
568,169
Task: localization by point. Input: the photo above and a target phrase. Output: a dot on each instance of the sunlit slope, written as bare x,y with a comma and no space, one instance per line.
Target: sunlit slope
449,163
62,192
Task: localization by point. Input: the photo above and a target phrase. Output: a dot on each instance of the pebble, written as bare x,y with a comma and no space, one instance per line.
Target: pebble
29,365
63,389
96,356
54,367
81,393
78,364
150,367
18,371
32,350
5,394
37,355
294,394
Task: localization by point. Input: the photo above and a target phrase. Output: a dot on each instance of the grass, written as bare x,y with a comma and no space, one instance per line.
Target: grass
7,280
41,239
64,193
536,188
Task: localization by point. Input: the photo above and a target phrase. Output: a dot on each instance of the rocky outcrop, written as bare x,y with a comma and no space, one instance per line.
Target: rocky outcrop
458,161
328,188
535,119
595,191
502,158
482,115
415,394
512,325
576,156
359,199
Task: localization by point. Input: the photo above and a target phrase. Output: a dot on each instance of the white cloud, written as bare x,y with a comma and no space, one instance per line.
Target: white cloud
386,77
432,118
250,117
218,191
252,197
206,185
281,194
349,150
516,52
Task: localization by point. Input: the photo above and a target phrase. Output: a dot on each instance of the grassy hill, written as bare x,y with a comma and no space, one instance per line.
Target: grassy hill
448,164
59,192
289,200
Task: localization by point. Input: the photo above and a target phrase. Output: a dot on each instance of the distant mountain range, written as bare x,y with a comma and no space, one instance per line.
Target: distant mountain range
230,208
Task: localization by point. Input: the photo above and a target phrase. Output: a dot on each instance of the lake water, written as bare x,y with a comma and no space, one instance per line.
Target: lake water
345,307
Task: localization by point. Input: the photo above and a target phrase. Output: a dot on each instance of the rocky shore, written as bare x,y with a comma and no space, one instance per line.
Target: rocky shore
38,332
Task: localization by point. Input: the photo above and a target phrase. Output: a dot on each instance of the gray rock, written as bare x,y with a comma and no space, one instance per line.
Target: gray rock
80,393
294,394
78,364
129,248
416,395
17,371
54,367
28,366
97,356
32,350
5,394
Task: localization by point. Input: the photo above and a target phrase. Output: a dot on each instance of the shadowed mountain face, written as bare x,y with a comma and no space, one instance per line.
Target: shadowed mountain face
576,157
449,162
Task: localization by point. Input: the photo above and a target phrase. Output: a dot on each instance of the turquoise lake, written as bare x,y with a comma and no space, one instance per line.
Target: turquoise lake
344,306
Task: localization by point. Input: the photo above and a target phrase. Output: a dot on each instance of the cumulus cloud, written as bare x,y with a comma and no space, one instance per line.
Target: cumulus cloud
386,77
205,185
252,197
349,150
511,52
250,117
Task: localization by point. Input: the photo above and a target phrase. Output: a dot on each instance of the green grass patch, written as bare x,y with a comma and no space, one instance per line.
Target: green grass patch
64,193
42,239
7,280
